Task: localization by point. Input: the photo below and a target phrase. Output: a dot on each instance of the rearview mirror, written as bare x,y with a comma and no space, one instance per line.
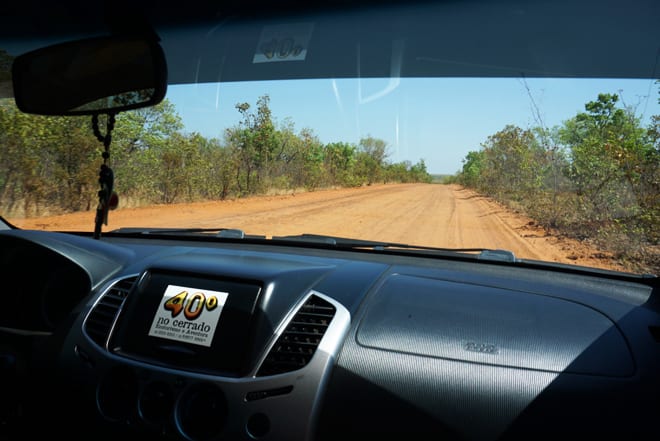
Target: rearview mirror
91,76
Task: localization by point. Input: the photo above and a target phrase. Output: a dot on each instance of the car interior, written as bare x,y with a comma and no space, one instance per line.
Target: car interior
190,334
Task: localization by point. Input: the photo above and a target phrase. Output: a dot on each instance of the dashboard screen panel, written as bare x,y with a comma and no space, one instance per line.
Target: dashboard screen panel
188,321
188,315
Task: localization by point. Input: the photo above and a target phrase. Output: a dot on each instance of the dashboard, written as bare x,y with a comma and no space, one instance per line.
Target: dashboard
189,339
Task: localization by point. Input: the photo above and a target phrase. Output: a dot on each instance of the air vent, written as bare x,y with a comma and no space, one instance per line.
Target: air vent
99,322
297,344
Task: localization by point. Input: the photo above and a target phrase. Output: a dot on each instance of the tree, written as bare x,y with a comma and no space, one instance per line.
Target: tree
473,169
371,158
608,153
255,141
217,170
46,161
340,163
139,141
418,172
615,172
22,180
511,163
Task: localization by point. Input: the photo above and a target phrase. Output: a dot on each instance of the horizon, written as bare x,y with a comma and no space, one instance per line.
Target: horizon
470,110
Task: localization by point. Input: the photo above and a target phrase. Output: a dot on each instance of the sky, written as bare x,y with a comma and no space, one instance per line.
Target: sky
437,120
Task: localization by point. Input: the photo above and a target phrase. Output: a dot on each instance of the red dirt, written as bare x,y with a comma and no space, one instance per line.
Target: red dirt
421,214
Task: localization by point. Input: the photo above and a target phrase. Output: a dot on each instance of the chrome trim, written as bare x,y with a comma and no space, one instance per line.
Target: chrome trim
110,286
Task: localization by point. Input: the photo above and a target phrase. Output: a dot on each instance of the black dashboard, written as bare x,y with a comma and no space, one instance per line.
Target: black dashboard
171,338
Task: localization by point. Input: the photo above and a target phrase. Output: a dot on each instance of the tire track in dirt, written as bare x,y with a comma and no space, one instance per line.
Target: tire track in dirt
491,228
420,214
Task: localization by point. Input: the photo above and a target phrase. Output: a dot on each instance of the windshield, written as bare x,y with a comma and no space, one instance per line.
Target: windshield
563,170
553,168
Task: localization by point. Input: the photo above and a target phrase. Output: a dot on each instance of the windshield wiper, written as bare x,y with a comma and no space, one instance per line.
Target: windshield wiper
348,243
227,233
334,242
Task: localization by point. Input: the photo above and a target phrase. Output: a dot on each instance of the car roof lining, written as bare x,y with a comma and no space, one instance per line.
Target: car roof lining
213,41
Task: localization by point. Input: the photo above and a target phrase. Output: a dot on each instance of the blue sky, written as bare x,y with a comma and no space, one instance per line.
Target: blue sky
438,120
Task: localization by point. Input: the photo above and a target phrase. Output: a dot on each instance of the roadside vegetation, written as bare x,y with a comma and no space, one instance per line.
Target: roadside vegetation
49,165
596,178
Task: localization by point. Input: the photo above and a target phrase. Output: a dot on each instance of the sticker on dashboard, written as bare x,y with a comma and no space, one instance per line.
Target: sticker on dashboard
188,315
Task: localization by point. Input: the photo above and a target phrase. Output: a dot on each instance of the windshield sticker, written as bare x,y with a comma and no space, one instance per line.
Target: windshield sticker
188,315
283,43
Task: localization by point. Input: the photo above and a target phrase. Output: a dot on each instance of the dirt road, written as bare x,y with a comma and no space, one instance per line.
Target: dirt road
435,215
